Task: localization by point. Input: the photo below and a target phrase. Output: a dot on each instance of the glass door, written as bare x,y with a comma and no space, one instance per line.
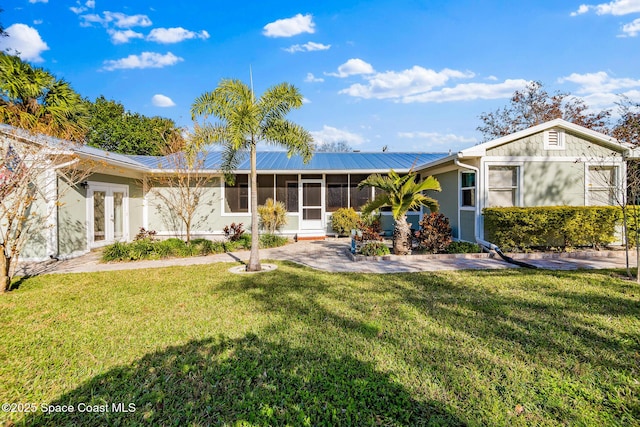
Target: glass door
107,213
312,205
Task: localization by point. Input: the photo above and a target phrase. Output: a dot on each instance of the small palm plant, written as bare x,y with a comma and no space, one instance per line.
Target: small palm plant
401,193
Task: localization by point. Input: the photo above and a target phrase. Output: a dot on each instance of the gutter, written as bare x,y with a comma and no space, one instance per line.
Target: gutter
486,245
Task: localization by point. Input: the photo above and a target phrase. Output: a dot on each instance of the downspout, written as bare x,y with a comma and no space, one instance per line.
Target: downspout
482,242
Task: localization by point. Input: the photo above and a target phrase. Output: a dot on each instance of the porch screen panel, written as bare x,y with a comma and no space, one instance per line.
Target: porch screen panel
236,196
359,197
287,191
503,186
265,188
337,192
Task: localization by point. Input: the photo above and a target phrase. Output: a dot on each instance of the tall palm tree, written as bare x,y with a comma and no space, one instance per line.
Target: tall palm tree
243,121
401,193
33,99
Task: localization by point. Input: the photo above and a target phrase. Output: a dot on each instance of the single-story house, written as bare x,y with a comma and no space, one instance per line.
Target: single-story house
555,163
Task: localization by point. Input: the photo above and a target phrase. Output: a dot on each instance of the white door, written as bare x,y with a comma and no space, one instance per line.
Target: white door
311,204
108,213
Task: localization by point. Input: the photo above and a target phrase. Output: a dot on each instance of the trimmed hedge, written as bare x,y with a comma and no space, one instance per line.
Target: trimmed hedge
522,229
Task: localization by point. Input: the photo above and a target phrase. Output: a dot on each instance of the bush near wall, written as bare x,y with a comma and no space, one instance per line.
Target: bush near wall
522,229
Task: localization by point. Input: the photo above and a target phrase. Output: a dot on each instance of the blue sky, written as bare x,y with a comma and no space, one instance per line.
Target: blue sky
407,74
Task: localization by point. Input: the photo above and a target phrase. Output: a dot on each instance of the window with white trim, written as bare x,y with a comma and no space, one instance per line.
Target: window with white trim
468,189
554,139
503,186
601,185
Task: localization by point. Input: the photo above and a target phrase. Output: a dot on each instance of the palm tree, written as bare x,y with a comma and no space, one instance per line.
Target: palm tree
243,121
33,99
401,193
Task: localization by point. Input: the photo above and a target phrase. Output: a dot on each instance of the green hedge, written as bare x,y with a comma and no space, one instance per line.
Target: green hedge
521,229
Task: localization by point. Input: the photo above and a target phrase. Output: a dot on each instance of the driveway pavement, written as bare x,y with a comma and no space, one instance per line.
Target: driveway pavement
328,255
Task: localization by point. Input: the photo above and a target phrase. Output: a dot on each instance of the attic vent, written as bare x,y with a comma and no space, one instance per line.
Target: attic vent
554,140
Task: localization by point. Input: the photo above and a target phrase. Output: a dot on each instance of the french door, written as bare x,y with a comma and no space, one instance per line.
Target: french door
108,213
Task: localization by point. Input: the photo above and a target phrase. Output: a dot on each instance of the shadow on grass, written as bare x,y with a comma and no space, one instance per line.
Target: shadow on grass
248,380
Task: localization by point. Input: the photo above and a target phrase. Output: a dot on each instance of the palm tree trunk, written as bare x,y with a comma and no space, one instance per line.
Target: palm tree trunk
402,237
254,257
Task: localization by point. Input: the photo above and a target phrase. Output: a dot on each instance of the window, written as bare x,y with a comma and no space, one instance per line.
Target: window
287,191
468,189
503,186
601,185
554,140
236,196
265,188
337,192
358,196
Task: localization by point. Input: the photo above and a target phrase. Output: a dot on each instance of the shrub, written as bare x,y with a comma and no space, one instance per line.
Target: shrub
141,249
146,234
202,246
370,227
434,235
116,252
463,248
374,249
273,216
344,220
522,229
233,232
272,241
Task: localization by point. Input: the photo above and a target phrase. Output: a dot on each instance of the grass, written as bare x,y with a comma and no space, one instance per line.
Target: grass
199,346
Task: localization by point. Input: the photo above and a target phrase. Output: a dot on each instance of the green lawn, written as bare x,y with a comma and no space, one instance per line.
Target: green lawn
199,346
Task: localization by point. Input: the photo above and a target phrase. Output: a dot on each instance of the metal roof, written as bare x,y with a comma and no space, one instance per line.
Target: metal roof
272,161
320,162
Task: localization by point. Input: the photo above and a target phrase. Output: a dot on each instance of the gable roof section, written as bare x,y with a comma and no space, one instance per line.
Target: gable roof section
278,161
598,137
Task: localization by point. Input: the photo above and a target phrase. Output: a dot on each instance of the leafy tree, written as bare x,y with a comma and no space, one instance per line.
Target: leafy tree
401,193
181,189
112,128
335,147
32,98
243,122
30,175
533,106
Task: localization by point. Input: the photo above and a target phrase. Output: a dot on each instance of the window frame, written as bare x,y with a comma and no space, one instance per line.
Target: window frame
474,188
518,197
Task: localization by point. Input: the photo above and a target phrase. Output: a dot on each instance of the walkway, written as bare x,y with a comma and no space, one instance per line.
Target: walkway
328,255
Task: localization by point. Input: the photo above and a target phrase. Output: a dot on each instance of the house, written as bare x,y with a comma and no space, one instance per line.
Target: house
555,163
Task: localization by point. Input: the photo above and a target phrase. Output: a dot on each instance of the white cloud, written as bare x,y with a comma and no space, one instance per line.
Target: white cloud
116,19
307,47
631,29
599,82
306,101
38,1
469,92
313,79
437,138
37,21
331,134
616,7
290,26
119,37
412,82
160,100
25,40
144,60
174,35
353,67
600,91
80,8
